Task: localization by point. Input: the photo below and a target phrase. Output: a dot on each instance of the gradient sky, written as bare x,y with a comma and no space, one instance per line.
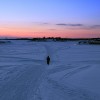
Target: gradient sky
57,18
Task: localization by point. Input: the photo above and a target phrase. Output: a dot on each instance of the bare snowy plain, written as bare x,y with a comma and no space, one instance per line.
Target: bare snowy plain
73,74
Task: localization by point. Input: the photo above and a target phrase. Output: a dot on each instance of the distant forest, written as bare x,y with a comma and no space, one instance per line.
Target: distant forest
52,39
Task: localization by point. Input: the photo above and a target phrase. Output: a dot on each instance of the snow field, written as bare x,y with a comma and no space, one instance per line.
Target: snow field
73,73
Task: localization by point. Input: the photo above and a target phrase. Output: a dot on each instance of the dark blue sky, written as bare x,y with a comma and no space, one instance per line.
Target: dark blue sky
52,12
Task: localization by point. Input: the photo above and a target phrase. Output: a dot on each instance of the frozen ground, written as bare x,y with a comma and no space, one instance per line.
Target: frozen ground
72,75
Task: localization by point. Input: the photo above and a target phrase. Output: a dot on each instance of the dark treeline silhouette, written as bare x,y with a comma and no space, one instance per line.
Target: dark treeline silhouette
59,39
55,39
90,41
49,39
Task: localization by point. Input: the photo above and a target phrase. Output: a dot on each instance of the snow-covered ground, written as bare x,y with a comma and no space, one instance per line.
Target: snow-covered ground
73,73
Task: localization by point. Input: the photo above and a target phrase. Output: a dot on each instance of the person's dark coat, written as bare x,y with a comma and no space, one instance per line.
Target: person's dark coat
48,60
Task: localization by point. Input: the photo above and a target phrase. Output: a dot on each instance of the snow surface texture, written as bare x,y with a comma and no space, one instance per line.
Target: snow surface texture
73,73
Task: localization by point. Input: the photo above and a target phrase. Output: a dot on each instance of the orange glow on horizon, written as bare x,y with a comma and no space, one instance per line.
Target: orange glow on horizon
44,31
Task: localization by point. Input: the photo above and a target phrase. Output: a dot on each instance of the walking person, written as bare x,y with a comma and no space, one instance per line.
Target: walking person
48,60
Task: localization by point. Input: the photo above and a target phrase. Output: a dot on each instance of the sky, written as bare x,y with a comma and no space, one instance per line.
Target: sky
50,18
